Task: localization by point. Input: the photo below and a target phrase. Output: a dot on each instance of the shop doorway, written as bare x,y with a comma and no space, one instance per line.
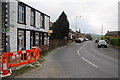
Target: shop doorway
32,39
21,40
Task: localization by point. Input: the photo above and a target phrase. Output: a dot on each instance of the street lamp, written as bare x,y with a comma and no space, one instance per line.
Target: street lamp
76,21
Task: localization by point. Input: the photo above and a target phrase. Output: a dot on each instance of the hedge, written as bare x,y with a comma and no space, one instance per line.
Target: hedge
115,41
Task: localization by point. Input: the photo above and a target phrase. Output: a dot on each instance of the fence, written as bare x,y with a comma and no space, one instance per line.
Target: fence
53,44
17,58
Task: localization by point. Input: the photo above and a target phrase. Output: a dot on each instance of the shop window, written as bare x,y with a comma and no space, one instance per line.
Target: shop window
36,38
21,39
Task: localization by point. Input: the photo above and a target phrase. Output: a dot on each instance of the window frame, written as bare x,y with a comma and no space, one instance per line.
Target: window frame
22,13
32,17
42,17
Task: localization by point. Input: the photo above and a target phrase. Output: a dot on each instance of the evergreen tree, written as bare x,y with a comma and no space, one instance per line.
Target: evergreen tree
61,27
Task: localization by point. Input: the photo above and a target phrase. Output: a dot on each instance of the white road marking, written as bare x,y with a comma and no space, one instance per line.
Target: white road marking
84,58
80,49
78,52
89,62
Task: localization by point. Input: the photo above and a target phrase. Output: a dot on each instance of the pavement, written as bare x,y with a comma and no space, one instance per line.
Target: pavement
78,60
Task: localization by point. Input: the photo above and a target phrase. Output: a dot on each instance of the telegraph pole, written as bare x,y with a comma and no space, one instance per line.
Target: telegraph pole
102,31
76,23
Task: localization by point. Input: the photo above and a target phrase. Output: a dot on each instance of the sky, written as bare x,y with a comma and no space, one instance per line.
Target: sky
87,15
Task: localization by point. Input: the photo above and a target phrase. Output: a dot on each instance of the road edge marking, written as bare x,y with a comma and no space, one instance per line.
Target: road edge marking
89,62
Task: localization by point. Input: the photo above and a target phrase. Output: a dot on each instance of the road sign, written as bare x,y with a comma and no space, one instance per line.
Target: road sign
4,30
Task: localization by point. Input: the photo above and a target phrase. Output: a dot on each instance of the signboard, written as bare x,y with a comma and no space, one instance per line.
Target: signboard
50,31
4,30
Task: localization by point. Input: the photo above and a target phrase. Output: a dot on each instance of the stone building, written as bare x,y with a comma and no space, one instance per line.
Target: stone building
27,26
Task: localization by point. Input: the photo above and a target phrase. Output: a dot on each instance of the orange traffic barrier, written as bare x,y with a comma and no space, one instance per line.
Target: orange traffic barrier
17,58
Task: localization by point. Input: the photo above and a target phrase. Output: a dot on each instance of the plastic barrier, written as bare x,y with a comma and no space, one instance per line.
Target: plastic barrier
17,58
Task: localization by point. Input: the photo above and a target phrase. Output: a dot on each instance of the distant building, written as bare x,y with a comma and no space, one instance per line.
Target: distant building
119,16
26,26
78,35
113,34
71,34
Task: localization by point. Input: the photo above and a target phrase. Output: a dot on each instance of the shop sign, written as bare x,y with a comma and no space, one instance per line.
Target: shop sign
4,30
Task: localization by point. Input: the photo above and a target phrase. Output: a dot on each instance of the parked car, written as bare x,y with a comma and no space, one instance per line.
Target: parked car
97,40
79,40
102,43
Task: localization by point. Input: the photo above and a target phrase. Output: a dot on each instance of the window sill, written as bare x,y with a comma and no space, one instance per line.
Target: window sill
21,23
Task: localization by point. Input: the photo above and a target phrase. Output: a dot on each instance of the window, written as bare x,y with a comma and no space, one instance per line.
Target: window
32,20
21,39
42,21
21,14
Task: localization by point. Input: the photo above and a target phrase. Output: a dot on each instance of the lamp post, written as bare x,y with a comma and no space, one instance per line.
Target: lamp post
76,21
102,31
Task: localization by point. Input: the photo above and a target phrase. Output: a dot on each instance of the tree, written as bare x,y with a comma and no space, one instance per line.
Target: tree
89,36
61,27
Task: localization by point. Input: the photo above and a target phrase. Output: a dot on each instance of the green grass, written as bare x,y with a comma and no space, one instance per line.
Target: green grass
21,71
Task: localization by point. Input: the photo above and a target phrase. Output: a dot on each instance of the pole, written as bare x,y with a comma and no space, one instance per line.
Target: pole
76,23
102,31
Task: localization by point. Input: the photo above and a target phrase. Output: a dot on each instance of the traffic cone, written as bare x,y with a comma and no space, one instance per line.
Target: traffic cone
5,71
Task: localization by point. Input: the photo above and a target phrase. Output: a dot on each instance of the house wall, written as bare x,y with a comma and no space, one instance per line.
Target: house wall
14,25
27,39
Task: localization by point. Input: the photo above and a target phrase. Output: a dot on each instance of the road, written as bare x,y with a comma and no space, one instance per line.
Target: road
79,60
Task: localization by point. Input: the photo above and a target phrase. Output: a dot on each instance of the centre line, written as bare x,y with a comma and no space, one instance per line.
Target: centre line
89,62
80,49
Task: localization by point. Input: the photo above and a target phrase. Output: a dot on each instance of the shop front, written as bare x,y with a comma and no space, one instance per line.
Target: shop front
29,38
21,39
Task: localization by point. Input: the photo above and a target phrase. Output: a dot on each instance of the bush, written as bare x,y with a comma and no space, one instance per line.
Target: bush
115,41
107,39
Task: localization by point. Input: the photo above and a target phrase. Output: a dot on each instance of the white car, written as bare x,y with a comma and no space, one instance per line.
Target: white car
82,39
79,40
102,43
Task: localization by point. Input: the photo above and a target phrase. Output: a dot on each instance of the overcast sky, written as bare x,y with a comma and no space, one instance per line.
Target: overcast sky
94,13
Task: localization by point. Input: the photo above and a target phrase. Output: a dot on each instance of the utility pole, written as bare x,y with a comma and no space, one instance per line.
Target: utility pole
76,23
101,31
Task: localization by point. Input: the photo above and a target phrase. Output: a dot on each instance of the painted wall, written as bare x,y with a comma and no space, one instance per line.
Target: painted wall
14,25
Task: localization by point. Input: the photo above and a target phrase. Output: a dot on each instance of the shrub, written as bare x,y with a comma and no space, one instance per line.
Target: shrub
115,41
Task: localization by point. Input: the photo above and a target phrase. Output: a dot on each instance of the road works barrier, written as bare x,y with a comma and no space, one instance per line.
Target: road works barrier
18,58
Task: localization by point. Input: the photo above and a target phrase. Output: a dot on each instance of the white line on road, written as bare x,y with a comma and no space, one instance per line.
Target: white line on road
78,52
80,49
89,62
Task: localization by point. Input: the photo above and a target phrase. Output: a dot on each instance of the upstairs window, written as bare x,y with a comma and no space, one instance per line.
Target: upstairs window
42,21
21,13
32,20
